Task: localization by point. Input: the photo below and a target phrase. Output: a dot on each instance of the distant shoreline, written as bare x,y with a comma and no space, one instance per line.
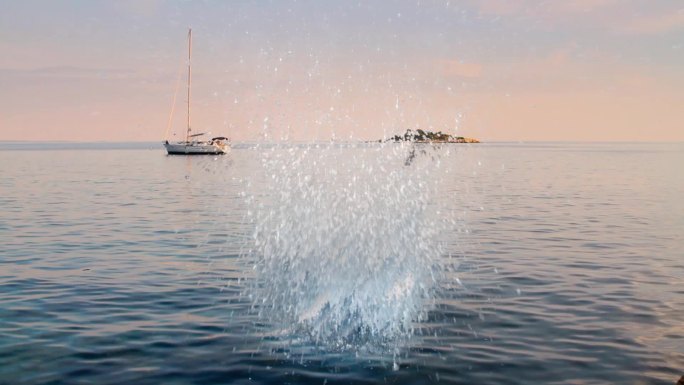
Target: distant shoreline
20,145
420,136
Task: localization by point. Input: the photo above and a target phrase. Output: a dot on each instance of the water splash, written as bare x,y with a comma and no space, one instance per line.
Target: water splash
345,240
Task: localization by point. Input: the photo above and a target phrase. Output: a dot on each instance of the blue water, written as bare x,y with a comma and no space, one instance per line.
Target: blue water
119,264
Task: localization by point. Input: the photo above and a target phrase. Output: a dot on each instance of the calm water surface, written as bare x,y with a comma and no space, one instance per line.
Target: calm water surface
121,265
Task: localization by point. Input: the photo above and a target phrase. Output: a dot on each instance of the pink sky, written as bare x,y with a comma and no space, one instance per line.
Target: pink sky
584,70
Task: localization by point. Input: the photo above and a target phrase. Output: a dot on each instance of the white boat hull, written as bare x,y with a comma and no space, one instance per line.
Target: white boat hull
196,148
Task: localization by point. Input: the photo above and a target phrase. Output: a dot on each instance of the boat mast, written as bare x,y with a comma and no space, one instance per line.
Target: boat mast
187,136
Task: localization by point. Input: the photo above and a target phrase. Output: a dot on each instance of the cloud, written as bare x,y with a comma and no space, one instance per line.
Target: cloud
616,16
500,7
68,72
144,8
578,6
539,8
458,68
654,24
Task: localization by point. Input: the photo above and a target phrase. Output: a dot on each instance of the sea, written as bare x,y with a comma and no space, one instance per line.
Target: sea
342,263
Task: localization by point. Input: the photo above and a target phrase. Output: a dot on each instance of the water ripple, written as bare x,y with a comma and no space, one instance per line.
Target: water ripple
122,266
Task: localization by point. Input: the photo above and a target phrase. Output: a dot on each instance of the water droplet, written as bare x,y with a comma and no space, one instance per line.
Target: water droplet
346,247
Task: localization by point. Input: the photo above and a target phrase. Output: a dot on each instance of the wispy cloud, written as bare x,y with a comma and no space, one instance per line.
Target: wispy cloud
654,24
616,16
540,8
459,68
69,72
144,8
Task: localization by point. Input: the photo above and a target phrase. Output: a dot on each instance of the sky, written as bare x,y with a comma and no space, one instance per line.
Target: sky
496,70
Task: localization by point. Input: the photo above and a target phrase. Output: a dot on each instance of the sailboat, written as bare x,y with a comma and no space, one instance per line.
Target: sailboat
193,143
